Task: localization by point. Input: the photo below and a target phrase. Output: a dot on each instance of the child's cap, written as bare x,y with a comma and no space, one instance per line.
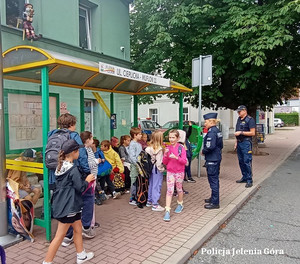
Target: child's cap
29,153
70,145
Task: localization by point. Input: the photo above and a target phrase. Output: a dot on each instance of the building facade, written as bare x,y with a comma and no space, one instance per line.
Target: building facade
95,30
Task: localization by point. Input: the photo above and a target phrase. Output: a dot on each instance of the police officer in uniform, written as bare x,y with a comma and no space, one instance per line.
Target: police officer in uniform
212,150
245,130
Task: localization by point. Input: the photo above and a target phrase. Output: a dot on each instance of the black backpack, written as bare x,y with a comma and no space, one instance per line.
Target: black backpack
54,146
145,164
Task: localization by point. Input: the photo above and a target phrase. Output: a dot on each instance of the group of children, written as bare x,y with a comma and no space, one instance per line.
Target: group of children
72,198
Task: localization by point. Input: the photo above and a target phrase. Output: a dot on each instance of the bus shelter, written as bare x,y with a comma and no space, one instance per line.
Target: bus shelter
28,64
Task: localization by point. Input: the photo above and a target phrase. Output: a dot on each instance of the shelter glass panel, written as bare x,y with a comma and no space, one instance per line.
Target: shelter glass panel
24,157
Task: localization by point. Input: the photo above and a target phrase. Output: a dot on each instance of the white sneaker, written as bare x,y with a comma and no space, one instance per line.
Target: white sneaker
116,195
83,257
157,208
67,241
132,202
88,233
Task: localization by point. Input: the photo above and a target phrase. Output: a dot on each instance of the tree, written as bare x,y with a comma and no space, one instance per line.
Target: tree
255,47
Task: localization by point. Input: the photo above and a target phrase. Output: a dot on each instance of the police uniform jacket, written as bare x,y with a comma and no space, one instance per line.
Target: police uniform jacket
244,125
213,144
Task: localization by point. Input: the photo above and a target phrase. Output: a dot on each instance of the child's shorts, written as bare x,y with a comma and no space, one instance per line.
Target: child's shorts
69,220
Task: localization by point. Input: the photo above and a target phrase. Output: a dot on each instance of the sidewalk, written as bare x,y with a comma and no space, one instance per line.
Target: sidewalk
132,235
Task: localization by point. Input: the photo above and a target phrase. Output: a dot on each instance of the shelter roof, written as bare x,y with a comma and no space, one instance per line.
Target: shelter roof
23,63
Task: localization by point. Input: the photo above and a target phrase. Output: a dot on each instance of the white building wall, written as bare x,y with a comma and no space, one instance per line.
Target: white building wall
167,111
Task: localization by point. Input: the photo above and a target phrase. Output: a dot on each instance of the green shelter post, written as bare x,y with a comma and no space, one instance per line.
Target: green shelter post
46,126
112,131
135,111
180,110
82,121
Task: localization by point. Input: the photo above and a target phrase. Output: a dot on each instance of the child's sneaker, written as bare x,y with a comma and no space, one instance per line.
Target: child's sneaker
167,217
157,208
83,257
116,195
191,180
67,241
132,202
88,233
149,204
178,209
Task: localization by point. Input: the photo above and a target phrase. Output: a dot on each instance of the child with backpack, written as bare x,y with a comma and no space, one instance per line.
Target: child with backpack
114,159
155,150
189,155
68,202
124,144
175,160
87,139
134,151
104,168
67,130
144,141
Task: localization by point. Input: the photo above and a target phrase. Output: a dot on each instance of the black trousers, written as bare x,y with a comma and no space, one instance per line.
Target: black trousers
127,178
105,179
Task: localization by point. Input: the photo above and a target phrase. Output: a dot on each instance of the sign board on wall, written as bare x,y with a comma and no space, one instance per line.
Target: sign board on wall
25,120
113,121
132,75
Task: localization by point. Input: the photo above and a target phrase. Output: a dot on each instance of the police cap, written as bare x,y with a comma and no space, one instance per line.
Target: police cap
241,107
210,116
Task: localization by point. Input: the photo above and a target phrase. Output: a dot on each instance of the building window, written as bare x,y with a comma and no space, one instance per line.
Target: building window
14,11
185,114
84,27
153,114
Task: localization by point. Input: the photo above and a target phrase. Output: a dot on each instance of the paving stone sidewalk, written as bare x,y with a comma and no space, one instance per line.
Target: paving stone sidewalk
132,235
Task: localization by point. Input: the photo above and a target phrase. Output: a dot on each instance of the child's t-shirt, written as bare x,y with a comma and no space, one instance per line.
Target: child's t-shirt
92,161
134,151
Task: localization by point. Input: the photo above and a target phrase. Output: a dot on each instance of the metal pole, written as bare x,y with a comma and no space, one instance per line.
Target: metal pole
3,207
46,126
112,131
5,239
82,121
180,110
135,111
199,109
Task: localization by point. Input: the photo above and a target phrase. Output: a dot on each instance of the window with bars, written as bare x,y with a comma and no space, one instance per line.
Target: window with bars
153,114
185,114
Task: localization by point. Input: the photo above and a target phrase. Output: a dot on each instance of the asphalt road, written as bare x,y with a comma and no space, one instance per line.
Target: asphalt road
267,228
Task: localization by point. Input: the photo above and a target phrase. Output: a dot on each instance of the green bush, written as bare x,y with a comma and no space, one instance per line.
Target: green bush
289,119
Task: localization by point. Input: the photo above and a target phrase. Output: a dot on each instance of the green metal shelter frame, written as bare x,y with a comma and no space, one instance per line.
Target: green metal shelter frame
32,64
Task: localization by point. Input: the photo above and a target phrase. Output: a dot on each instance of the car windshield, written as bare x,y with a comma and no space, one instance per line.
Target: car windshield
148,125
156,125
170,125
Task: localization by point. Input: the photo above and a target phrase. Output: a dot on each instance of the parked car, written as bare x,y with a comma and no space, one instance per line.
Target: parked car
278,122
174,124
147,126
156,125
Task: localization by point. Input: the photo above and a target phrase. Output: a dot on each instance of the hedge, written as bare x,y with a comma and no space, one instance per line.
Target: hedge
291,119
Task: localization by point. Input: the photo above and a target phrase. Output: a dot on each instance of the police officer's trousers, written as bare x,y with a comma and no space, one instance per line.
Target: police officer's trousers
244,152
213,172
